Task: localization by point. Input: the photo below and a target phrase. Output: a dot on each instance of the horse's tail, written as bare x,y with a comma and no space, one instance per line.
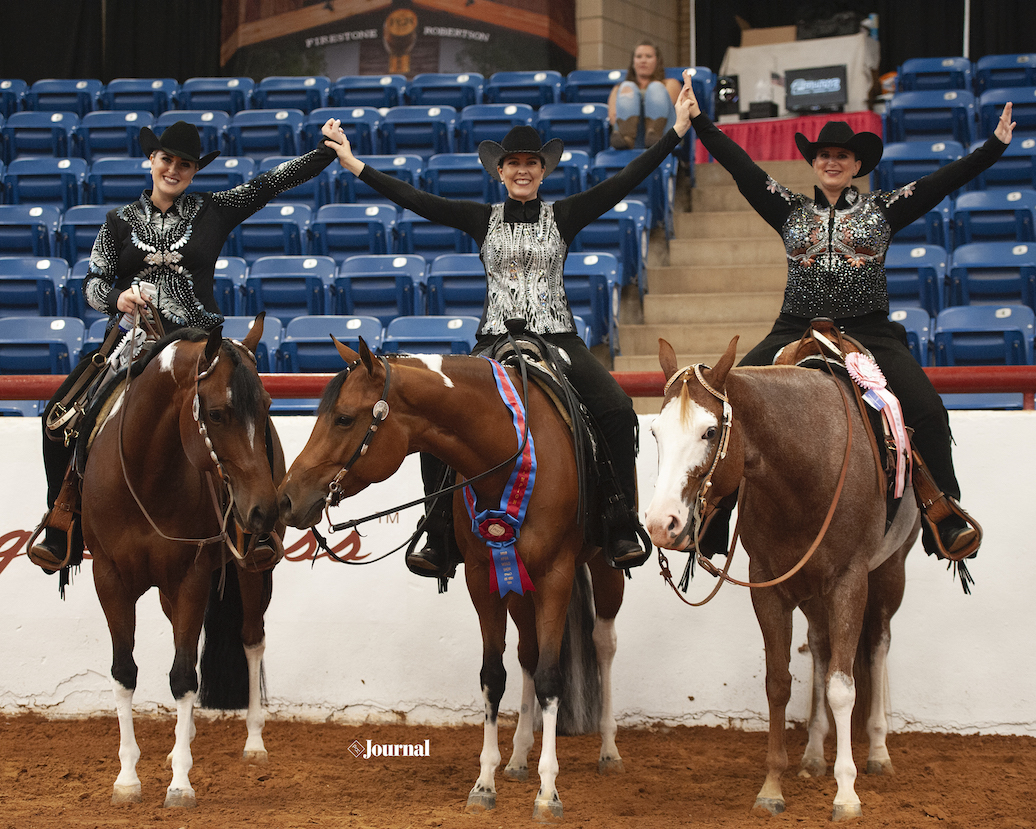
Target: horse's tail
224,668
580,708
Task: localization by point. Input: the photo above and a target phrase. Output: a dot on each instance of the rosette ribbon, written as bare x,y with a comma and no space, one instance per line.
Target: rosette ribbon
867,375
500,527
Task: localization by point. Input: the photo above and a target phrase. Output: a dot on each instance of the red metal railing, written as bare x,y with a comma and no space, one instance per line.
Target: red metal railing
946,379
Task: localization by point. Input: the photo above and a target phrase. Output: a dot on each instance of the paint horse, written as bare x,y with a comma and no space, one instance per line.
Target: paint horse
381,409
182,453
789,435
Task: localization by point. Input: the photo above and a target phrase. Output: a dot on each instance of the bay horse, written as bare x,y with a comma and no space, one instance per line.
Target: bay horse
791,436
379,410
181,452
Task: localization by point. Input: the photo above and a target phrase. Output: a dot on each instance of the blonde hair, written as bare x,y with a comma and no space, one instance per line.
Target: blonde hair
659,74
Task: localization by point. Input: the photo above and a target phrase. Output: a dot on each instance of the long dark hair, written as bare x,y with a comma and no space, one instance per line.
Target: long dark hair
659,75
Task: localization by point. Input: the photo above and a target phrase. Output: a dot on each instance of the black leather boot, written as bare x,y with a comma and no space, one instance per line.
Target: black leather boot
437,558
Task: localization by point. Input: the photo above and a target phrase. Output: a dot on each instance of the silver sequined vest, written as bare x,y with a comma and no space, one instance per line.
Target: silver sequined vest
525,274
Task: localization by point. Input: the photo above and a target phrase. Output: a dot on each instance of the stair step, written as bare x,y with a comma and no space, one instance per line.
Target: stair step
701,338
746,224
733,251
683,279
694,309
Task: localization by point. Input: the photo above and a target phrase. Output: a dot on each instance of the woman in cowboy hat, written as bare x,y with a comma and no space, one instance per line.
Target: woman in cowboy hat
169,239
836,241
523,243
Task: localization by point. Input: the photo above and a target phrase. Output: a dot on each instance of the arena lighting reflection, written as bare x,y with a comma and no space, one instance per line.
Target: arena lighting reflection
946,379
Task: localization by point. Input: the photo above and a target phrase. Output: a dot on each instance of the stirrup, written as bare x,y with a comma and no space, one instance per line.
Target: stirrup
936,506
43,556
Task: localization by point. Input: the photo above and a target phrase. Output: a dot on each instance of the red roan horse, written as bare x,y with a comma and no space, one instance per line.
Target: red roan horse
787,445
182,449
449,406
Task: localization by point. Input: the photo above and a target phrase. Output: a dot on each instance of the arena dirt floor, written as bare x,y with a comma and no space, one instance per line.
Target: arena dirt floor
56,773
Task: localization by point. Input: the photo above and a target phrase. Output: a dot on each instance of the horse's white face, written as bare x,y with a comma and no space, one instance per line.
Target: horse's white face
685,433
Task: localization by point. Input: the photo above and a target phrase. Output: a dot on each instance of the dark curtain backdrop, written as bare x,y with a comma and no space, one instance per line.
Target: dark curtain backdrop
51,39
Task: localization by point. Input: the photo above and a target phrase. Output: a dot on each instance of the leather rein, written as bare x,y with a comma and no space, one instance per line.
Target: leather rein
703,508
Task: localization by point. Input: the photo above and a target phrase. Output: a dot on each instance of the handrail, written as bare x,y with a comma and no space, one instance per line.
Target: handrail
946,379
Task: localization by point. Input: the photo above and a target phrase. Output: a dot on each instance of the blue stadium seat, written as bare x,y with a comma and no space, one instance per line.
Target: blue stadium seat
994,216
31,286
11,92
378,286
35,134
1001,273
211,124
592,287
918,325
104,134
934,228
916,277
229,285
292,92
360,125
341,230
934,73
268,350
569,177
313,194
307,344
657,190
224,173
429,89
277,229
78,95
351,190
54,182
1023,113
581,126
461,176
591,85
984,335
19,408
998,71
368,91
583,329
257,133
40,345
155,95
415,234
117,181
288,286
78,230
456,285
75,302
623,233
532,88
230,95
28,230
430,335
907,161
95,333
483,122
1014,170
418,130
931,116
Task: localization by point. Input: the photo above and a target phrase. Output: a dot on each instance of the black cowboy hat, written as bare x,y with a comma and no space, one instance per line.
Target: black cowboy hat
521,139
866,146
179,139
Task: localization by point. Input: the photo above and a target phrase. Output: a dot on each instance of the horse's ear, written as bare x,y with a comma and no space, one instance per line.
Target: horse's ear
666,358
366,356
344,351
213,345
255,333
718,375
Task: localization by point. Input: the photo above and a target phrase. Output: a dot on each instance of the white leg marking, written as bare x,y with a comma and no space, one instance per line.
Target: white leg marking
813,762
255,719
841,695
127,784
484,789
878,757
180,792
605,643
518,766
547,800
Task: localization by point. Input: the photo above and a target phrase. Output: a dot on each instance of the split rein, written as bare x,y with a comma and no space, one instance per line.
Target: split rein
701,504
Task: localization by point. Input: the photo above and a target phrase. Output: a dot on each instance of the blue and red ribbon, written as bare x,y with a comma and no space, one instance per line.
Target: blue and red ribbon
501,527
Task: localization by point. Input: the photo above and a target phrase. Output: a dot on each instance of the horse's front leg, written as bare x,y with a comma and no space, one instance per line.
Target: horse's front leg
256,589
814,764
609,585
517,767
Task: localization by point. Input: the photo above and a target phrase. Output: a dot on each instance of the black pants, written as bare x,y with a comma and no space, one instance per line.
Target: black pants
609,405
56,455
923,409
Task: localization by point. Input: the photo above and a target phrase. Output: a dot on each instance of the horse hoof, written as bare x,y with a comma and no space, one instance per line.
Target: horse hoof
846,812
773,805
122,795
813,768
547,811
180,799
260,755
517,773
883,767
610,765
479,802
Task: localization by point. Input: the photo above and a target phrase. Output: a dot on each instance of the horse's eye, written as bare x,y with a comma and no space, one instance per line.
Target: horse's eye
345,421
710,433
215,416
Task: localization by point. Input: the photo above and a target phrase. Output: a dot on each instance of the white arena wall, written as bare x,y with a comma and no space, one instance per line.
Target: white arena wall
355,644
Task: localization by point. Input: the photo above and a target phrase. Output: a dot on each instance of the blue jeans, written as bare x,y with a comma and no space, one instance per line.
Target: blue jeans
653,102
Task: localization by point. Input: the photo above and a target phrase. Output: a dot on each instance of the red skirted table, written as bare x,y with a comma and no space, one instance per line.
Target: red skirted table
773,139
